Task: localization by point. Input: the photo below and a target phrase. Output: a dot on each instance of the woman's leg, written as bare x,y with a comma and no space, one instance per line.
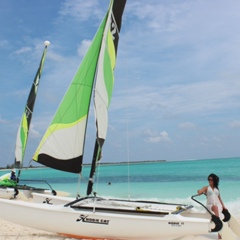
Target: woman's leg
216,212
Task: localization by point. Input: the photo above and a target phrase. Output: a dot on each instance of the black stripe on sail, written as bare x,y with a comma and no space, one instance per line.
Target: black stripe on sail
100,142
29,107
33,92
116,20
73,165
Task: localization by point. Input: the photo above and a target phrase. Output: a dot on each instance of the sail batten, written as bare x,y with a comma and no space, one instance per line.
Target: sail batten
24,127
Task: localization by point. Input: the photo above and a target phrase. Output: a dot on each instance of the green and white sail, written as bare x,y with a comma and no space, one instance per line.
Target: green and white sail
23,130
62,146
105,80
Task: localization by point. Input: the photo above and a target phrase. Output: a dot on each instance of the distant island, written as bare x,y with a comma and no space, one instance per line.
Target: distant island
133,162
89,164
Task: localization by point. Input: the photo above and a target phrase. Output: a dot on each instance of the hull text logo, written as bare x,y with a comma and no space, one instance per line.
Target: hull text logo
87,219
176,224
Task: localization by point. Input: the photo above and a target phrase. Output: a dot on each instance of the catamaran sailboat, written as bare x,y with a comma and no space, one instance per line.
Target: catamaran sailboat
62,148
10,188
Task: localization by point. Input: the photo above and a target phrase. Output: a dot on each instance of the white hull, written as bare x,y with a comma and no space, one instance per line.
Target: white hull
29,192
46,198
7,193
111,219
227,233
234,225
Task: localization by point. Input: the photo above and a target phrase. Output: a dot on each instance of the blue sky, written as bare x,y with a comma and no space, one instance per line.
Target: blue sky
177,88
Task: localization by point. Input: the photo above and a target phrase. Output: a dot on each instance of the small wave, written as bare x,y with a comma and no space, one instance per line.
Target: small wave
233,206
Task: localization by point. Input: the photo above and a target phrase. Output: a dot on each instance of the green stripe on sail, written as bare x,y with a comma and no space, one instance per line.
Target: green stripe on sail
109,64
78,94
108,77
24,133
111,49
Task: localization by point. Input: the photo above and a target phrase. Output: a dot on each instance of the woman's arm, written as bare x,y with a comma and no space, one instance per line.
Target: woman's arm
203,190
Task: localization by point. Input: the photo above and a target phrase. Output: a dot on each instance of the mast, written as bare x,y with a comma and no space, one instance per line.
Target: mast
96,158
105,80
23,130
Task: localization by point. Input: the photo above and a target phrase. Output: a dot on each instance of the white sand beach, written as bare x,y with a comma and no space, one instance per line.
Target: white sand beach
11,231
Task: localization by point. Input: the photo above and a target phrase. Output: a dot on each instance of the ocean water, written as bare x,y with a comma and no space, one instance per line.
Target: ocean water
173,182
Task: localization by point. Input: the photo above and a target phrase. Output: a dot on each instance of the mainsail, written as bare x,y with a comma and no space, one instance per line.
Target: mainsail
62,145
105,81
24,126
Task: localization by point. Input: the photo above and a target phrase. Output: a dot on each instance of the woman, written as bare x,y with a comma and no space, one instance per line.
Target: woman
214,201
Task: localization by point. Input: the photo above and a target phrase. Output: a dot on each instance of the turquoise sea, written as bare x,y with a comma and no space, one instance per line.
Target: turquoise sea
166,181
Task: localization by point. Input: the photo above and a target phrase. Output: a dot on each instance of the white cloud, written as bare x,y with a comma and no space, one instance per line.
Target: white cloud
160,16
196,98
23,50
80,9
235,124
209,140
33,132
54,56
3,43
187,125
82,49
2,121
155,137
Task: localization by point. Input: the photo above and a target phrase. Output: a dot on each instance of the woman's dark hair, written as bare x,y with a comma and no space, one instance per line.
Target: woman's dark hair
215,179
